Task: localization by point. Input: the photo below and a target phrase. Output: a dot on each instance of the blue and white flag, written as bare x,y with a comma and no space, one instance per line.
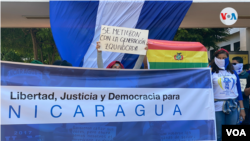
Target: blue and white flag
76,25
72,104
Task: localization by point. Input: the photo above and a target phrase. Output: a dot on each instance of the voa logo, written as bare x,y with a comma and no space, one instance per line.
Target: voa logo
236,132
228,16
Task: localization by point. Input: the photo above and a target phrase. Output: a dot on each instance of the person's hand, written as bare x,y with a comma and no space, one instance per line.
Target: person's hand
98,46
242,114
247,91
146,48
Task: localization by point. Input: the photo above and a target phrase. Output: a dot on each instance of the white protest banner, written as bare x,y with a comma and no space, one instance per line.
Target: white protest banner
50,103
123,40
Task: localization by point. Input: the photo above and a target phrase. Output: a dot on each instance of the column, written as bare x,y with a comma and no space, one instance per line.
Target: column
245,40
232,47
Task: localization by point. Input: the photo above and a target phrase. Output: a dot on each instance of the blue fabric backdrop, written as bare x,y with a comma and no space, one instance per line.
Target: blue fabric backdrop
73,25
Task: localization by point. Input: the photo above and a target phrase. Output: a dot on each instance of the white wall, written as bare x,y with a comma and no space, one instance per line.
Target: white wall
231,40
245,39
234,30
238,34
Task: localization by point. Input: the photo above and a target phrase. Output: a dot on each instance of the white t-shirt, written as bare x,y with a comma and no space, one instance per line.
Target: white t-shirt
224,85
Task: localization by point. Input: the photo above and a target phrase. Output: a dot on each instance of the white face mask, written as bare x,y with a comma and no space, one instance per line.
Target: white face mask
221,63
238,67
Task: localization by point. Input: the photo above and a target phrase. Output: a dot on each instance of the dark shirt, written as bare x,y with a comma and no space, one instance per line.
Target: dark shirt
245,75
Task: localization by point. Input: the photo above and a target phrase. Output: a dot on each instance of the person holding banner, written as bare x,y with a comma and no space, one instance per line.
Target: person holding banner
117,64
227,91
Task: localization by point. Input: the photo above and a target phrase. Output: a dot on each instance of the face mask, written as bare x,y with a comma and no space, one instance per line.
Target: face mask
238,67
221,63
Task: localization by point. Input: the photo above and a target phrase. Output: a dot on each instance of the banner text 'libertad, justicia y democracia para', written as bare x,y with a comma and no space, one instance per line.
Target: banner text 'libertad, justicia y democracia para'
82,96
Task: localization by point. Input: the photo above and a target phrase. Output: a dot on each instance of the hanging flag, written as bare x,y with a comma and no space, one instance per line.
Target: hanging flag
173,54
76,26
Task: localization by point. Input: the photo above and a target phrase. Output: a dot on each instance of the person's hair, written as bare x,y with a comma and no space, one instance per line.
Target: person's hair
36,62
238,59
215,68
62,63
209,62
246,67
113,63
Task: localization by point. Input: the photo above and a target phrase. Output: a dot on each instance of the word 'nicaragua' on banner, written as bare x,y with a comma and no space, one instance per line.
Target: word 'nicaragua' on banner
123,40
50,103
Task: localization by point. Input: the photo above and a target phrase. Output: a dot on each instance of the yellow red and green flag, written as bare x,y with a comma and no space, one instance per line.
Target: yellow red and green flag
174,54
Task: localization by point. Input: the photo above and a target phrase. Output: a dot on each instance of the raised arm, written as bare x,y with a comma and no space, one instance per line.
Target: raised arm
99,56
145,62
140,60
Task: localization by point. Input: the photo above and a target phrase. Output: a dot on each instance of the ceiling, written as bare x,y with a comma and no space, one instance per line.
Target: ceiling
207,15
200,15
12,14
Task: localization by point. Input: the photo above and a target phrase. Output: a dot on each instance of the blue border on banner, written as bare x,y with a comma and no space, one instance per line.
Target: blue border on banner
43,75
132,131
